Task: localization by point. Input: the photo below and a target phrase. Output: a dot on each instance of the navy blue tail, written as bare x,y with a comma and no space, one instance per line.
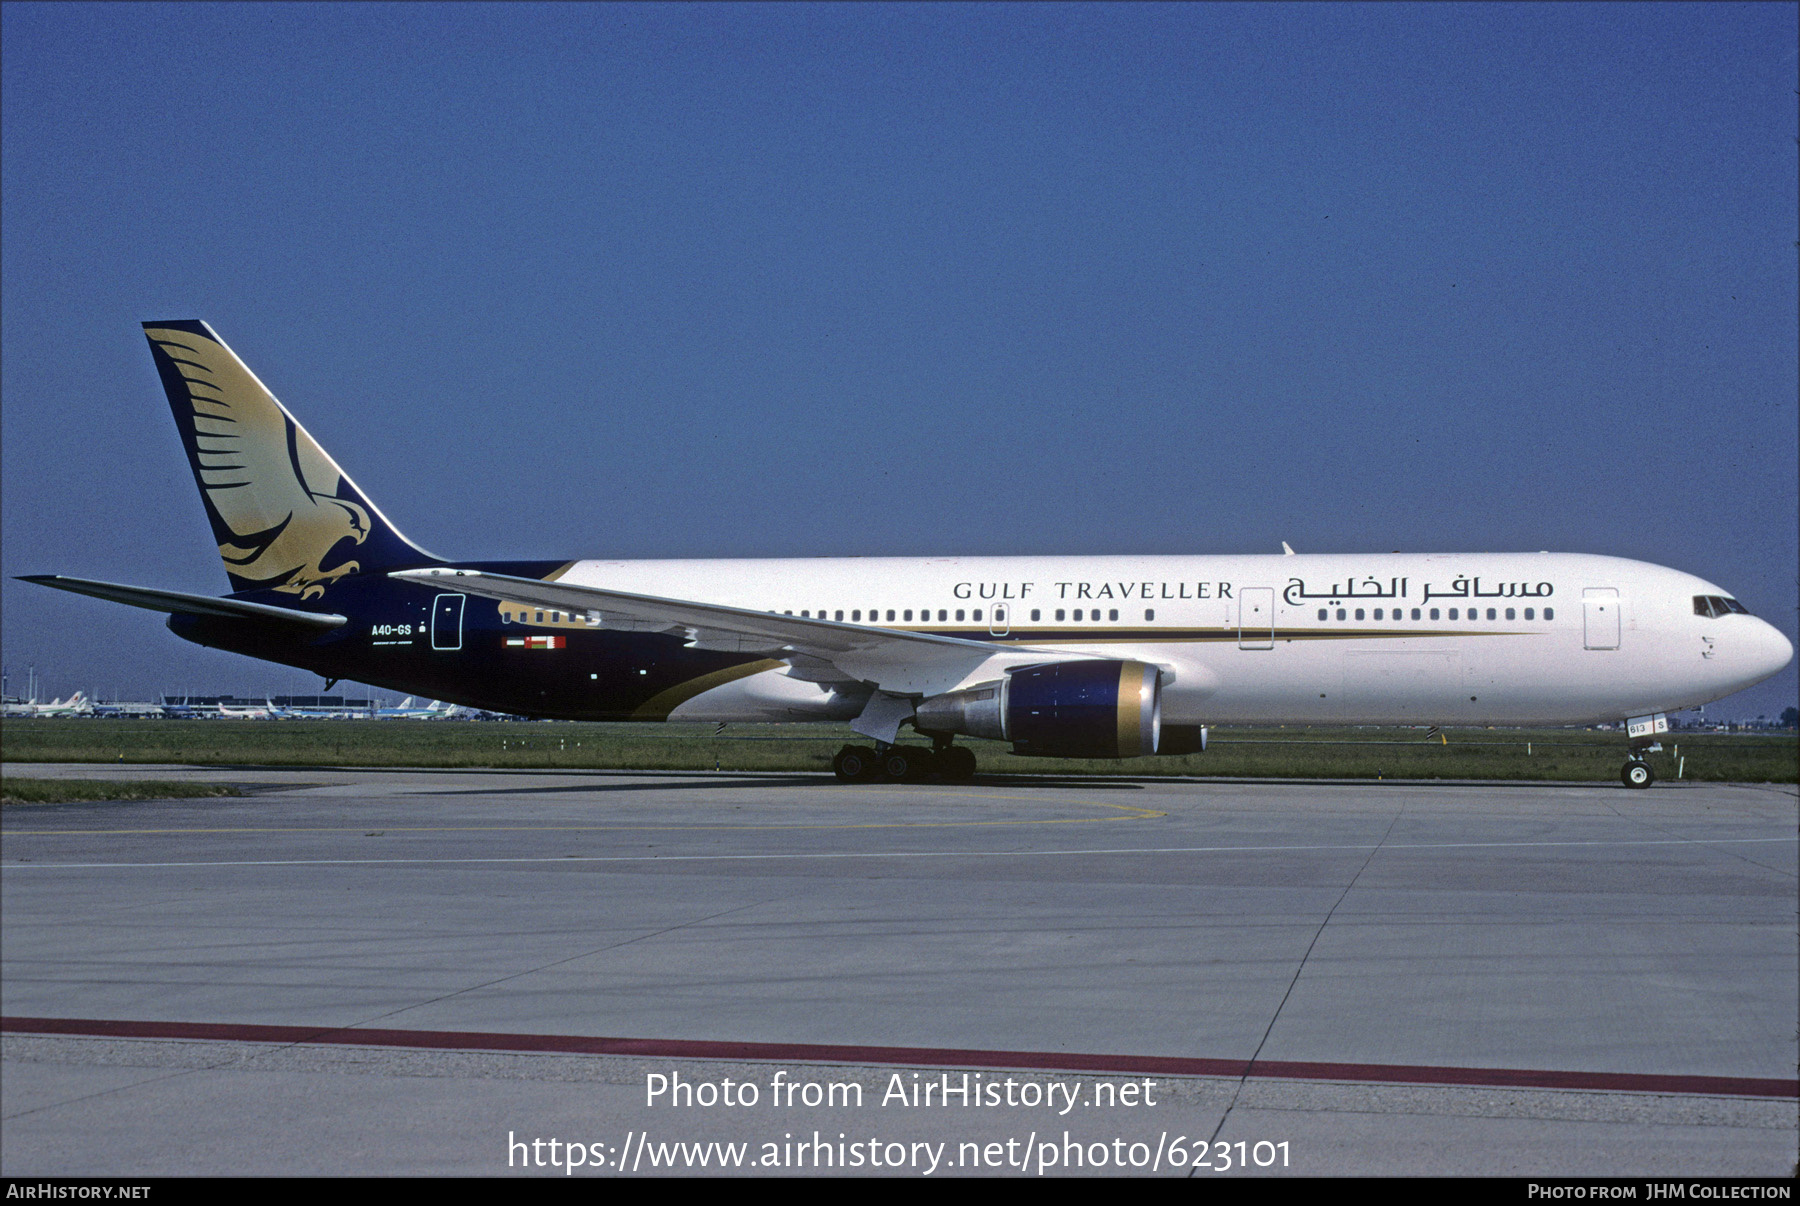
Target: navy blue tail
285,517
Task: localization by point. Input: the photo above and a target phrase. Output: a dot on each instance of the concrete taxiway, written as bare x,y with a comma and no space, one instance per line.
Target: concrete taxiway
1516,979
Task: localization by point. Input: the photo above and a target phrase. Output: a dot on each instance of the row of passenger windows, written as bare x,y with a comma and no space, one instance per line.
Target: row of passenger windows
901,615
1418,613
1704,605
905,615
556,617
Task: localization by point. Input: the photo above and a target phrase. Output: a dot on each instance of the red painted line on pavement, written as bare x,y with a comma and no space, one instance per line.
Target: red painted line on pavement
1167,1065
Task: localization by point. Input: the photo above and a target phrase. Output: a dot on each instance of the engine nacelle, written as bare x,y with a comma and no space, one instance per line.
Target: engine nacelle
1079,709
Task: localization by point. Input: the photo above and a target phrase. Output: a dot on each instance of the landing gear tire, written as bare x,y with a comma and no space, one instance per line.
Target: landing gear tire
1637,773
904,764
854,763
957,764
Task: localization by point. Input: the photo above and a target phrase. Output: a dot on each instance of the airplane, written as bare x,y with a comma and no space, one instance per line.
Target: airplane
130,711
267,711
294,712
404,710
77,704
1078,657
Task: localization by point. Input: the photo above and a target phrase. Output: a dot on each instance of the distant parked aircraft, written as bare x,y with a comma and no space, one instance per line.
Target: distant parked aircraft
266,711
77,704
405,710
130,711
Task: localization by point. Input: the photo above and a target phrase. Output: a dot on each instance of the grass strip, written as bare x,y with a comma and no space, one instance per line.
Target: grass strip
1296,752
69,791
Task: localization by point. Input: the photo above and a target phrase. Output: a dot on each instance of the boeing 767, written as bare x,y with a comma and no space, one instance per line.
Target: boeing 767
1088,657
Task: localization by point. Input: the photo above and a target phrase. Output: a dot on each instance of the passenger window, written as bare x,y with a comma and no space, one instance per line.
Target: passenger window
1341,613
1150,613
1491,614
908,616
1113,614
1434,613
1036,615
1415,613
856,617
1076,614
891,614
1359,613
1322,613
540,617
1059,613
1549,613
959,614
1378,613
1453,613
974,615
1096,613
1509,613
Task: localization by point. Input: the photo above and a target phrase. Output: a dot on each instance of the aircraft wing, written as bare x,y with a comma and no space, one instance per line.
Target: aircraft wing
179,603
900,662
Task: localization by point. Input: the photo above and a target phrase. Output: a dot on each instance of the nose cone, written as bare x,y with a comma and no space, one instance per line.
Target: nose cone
1769,651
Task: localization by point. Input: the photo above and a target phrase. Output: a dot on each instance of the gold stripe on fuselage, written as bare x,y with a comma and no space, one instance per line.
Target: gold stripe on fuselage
658,706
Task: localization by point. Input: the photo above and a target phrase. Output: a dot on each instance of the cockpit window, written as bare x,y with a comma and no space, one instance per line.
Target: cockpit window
1718,605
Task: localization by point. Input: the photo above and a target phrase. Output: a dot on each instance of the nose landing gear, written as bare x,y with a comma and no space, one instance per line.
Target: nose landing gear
1644,731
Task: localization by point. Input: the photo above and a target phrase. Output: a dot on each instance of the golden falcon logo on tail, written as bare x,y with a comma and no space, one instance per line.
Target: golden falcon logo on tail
285,516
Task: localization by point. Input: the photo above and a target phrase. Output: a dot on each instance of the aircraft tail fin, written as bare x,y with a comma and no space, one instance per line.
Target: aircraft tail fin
286,518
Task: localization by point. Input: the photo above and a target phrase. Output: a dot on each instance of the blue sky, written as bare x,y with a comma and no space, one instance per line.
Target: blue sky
722,280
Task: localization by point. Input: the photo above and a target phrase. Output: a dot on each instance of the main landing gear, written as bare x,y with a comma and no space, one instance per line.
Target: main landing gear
1637,773
903,764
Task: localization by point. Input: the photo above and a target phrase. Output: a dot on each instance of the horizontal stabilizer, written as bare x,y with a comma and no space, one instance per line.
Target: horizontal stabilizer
177,603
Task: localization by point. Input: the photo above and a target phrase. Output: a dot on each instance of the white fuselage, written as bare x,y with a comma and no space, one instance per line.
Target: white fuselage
1455,638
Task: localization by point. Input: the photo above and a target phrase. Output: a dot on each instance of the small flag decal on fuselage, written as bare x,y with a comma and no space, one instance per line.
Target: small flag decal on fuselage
537,642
